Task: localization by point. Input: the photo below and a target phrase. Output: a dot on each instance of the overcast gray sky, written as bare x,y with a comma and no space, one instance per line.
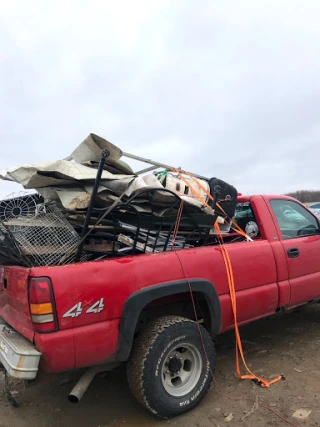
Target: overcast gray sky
222,88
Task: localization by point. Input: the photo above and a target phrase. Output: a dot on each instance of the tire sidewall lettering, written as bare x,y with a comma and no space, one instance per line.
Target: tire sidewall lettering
198,392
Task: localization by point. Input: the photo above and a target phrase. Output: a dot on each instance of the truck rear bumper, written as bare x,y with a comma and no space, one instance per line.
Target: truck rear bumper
17,355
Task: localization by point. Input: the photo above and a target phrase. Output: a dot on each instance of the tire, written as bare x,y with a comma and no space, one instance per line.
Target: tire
168,371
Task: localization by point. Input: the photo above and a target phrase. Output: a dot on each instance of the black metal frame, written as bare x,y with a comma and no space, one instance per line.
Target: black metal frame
148,231
104,155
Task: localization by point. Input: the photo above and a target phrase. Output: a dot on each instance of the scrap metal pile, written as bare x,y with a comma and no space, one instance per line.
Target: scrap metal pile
93,206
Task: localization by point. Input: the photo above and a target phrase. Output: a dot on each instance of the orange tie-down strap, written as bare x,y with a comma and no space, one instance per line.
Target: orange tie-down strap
235,227
239,349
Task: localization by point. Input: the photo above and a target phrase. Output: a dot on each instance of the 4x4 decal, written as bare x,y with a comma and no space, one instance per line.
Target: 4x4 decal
78,309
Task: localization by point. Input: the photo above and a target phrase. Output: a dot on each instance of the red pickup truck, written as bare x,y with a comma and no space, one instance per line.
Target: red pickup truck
137,309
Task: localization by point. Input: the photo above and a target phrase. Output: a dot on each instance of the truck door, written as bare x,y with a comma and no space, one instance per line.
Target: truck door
300,237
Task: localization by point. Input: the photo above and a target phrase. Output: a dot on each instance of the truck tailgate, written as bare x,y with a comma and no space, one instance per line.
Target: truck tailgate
14,306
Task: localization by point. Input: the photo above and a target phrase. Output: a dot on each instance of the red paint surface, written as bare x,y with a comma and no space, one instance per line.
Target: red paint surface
265,280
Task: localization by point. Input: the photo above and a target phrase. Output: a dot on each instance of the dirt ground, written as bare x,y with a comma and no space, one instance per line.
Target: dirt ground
286,344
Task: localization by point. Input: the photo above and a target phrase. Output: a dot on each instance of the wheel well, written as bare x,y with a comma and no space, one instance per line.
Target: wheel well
168,298
178,305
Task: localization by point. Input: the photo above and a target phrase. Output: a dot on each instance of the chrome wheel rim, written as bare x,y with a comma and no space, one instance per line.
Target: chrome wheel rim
181,370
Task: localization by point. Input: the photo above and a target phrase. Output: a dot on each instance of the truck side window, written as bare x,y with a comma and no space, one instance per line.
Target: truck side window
294,220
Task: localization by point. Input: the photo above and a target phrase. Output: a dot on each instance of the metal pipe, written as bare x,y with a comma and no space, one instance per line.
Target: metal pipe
82,385
149,169
104,155
160,165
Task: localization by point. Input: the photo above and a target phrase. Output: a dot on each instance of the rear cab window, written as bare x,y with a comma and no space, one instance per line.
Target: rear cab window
245,218
293,219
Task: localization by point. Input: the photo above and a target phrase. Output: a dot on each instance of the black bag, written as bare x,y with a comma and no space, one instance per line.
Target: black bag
225,194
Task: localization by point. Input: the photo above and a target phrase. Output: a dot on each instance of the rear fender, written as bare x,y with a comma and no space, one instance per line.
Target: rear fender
140,299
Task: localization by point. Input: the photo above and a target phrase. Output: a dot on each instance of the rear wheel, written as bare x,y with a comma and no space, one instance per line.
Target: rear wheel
168,371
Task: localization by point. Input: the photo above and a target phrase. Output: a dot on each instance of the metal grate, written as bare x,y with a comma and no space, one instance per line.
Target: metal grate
10,253
45,236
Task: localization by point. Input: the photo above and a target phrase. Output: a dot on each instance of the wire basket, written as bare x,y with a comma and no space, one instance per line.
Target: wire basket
10,253
45,236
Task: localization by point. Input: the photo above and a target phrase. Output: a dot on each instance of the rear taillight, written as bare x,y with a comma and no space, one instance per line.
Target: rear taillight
42,307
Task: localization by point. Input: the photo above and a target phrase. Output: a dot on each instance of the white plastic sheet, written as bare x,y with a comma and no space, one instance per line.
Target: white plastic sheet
71,181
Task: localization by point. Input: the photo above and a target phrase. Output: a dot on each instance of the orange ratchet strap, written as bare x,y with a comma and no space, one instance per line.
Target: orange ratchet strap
235,227
239,349
197,195
176,226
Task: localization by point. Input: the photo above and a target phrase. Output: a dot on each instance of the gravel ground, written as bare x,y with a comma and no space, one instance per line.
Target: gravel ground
287,344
